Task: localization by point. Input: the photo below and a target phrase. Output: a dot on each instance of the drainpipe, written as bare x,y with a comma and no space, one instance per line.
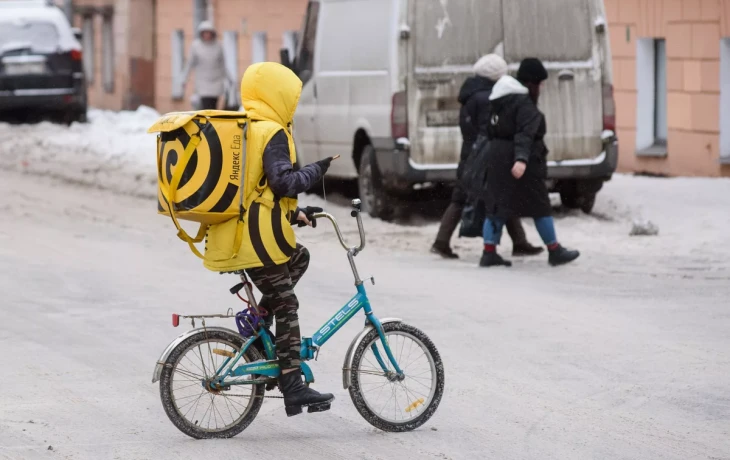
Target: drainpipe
68,9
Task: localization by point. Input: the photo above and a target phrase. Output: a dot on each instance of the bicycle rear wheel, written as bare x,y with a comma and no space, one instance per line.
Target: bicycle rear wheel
197,411
390,402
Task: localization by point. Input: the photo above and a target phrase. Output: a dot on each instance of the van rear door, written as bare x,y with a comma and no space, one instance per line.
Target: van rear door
446,40
562,34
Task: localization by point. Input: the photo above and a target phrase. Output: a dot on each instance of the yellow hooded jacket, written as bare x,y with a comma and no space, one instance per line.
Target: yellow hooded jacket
270,93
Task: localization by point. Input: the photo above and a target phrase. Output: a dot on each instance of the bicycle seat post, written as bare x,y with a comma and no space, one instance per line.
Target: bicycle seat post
249,293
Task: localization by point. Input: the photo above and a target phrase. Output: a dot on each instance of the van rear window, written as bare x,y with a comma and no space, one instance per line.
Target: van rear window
38,35
554,30
459,33
456,33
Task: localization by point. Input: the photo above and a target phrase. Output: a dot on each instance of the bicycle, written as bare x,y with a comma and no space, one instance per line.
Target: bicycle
232,370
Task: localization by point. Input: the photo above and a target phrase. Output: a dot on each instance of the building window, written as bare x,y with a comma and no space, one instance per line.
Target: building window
289,42
259,47
725,100
200,13
87,27
651,84
177,60
230,52
107,43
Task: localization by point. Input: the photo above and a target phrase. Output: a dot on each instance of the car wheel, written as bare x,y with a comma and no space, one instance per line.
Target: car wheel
373,196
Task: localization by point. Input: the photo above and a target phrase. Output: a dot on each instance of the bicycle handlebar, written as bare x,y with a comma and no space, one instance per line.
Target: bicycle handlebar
356,213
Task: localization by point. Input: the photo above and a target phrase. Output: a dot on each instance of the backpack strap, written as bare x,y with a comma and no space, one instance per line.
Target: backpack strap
172,191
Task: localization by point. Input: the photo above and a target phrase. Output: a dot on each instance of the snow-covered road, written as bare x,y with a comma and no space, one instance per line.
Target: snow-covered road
624,355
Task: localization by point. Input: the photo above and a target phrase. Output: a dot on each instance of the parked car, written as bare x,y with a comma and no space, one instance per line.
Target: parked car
381,79
41,71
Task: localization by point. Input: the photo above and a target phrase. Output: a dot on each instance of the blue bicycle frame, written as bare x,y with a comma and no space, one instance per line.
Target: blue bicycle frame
228,372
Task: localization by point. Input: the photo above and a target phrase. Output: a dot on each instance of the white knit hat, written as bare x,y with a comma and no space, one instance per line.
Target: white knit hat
491,66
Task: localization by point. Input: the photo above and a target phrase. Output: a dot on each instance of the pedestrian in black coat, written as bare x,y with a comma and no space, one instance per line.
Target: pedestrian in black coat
517,164
473,121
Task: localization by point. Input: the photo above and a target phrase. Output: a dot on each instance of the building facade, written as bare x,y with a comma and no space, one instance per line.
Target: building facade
671,62
134,50
250,30
118,44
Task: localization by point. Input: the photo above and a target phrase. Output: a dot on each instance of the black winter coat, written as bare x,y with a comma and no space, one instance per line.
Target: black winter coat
474,113
516,132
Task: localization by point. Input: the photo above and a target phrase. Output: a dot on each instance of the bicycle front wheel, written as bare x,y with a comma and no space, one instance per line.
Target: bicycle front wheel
386,400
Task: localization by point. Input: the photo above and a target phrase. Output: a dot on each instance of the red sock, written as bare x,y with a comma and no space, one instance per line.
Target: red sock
554,246
490,247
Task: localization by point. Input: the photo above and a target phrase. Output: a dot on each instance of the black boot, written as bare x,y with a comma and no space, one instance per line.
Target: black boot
525,249
444,251
296,395
562,256
492,259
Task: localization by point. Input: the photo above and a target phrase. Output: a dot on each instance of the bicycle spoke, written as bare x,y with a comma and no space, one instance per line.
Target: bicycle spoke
191,402
387,402
193,406
228,406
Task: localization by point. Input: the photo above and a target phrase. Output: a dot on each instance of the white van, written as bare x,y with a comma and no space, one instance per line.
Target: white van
381,79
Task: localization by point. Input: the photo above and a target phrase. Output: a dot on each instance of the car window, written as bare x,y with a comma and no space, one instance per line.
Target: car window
39,35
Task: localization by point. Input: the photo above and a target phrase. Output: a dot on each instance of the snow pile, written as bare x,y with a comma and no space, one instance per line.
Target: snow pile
644,228
113,151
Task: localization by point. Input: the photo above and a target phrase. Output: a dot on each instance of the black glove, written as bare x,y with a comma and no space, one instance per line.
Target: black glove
324,164
309,211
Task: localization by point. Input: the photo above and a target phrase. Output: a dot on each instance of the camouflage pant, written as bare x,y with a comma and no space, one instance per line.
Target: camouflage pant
277,288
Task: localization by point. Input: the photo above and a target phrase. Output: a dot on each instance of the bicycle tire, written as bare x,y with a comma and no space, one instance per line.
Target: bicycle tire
168,403
356,392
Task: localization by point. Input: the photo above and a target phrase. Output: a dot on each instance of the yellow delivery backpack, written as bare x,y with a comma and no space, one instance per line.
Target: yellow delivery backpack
200,165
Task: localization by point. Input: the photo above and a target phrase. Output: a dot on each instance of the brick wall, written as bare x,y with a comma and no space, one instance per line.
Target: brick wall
132,22
243,16
692,29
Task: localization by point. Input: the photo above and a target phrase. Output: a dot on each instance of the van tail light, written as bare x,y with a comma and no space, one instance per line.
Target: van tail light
399,115
609,109
76,55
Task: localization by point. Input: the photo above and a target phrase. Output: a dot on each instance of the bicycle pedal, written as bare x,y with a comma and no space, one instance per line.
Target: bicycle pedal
291,411
319,407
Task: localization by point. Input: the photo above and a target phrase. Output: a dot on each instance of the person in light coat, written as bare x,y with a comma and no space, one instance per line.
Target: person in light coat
207,62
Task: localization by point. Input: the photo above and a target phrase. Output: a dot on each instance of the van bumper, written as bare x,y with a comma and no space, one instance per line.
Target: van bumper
601,167
399,172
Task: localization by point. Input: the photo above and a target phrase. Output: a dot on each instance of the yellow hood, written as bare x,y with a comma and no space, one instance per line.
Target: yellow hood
270,91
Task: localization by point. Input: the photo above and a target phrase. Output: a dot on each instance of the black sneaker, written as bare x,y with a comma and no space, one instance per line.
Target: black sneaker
492,259
562,256
297,395
444,251
526,249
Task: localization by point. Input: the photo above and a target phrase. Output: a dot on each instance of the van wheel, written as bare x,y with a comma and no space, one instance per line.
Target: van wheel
370,187
587,202
573,198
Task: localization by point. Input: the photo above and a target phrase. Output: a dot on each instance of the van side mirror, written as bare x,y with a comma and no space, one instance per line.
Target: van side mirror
285,58
77,33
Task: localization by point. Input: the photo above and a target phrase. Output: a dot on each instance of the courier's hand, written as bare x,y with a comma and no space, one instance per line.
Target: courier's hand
325,164
518,170
305,216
